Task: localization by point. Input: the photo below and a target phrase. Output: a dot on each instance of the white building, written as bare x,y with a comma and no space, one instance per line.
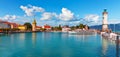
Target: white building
4,25
65,29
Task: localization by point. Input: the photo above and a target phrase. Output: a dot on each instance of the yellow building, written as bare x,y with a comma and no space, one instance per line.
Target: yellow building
34,25
22,27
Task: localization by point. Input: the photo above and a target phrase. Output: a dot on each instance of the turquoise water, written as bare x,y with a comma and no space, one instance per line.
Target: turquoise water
55,44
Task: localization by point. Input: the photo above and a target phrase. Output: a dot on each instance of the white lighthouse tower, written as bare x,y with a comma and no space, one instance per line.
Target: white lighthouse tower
104,21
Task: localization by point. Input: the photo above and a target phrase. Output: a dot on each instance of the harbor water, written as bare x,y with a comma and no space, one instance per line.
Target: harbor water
55,44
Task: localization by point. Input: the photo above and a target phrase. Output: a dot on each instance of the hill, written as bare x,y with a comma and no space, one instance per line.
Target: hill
113,27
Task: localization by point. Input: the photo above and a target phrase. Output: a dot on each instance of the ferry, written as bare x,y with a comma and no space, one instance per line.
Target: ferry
83,32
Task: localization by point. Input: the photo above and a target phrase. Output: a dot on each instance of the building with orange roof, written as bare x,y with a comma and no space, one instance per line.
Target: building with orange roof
47,27
10,25
14,25
4,24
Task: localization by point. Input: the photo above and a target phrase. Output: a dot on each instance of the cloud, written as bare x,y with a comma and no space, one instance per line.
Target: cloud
9,17
91,18
113,21
66,15
31,10
47,16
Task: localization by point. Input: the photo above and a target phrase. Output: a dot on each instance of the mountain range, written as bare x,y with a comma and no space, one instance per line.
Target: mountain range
113,27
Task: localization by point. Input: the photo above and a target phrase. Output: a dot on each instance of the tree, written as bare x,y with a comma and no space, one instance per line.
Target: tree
73,27
59,28
81,26
28,25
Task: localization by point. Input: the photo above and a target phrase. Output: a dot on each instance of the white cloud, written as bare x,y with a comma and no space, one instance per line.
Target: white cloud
47,16
66,15
9,17
113,21
31,10
91,18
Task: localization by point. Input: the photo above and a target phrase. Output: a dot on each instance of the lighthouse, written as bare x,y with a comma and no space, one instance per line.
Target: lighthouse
104,21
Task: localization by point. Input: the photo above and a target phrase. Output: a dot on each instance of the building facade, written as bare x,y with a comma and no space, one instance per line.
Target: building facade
47,27
22,27
66,28
4,24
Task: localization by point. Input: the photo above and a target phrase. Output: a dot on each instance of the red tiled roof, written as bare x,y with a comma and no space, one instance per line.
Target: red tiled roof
14,24
10,23
47,26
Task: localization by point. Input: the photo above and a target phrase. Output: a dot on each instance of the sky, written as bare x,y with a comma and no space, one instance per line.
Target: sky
55,12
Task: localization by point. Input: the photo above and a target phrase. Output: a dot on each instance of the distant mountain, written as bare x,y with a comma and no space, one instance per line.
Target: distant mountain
113,27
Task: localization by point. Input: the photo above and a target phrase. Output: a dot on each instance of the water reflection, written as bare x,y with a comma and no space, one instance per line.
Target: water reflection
34,38
22,36
108,48
12,39
117,47
47,44
82,37
46,36
104,46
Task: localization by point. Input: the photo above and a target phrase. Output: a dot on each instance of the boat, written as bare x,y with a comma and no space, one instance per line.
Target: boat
82,32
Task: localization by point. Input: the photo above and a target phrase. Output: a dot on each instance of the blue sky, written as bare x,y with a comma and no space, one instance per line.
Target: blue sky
55,12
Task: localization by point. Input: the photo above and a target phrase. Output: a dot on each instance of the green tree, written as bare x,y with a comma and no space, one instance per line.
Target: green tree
59,28
73,28
28,25
81,26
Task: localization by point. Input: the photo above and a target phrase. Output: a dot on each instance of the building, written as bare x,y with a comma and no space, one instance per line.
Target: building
14,25
34,25
86,27
104,21
22,27
4,24
65,29
47,27
38,27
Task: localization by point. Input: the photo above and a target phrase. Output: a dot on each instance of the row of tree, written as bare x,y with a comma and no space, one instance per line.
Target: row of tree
80,26
57,28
